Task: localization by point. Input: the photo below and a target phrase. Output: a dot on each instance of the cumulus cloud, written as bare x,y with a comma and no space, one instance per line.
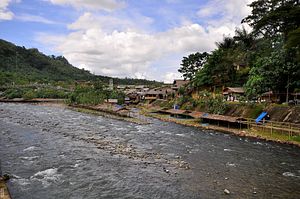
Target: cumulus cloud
107,5
225,10
5,14
129,52
114,46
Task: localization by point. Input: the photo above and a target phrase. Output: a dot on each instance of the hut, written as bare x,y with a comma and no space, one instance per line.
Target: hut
270,96
151,95
223,120
179,83
233,93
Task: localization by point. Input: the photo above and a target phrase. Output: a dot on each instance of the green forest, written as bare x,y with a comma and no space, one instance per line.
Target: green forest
21,66
265,59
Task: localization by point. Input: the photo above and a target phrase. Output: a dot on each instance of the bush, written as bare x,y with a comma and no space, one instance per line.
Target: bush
14,93
92,96
51,93
183,99
216,105
89,97
29,95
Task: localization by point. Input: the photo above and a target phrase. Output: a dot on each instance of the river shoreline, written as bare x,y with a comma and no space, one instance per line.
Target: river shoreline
241,133
251,133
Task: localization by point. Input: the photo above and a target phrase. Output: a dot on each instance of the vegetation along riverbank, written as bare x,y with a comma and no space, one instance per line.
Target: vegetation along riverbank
248,85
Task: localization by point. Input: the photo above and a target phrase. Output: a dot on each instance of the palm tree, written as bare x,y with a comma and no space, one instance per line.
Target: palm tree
244,39
227,43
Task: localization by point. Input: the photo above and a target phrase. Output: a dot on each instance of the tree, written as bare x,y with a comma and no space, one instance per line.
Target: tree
273,17
278,72
293,42
191,64
227,43
245,40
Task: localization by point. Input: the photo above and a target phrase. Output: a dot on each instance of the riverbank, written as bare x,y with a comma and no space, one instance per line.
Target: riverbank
109,113
127,115
250,133
4,193
103,110
34,100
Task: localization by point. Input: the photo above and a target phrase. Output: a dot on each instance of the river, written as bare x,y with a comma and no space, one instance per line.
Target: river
53,152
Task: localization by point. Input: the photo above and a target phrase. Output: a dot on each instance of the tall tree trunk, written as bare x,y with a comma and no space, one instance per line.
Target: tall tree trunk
287,89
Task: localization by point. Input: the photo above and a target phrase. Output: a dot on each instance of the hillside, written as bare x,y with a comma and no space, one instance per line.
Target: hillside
20,66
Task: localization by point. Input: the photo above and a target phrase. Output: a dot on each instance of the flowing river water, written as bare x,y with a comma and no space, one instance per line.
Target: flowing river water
52,152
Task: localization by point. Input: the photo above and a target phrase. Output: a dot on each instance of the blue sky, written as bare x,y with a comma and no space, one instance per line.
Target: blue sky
122,38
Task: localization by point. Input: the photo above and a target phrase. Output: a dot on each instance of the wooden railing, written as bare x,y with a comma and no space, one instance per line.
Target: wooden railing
287,128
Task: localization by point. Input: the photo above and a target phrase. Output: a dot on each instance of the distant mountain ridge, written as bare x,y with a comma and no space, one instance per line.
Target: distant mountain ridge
20,66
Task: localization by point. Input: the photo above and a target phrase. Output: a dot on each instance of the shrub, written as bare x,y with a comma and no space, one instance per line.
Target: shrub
30,94
93,96
216,105
14,93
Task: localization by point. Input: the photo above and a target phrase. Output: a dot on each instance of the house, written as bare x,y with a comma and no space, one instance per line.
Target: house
179,83
121,87
140,87
233,93
270,96
151,95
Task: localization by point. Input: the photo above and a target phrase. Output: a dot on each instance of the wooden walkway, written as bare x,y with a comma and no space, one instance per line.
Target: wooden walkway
286,128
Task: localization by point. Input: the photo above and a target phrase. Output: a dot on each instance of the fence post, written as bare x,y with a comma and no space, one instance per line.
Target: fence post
248,124
271,128
290,129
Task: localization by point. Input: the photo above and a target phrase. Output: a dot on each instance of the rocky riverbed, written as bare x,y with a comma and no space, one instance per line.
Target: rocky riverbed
53,152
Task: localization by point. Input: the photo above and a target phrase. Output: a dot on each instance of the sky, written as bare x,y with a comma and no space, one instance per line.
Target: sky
122,38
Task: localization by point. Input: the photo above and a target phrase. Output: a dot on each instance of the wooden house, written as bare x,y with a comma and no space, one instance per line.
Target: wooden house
233,93
179,83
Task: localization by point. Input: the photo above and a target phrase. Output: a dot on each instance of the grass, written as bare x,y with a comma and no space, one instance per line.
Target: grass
276,136
296,138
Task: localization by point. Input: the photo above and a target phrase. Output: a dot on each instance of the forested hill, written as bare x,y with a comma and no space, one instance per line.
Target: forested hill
22,66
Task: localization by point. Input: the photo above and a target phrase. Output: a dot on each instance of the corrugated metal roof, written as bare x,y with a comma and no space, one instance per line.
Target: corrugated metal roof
233,90
220,117
177,111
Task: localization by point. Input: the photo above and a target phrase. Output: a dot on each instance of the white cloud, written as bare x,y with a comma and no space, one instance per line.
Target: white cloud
225,15
34,18
228,10
107,5
108,23
170,76
128,52
205,12
5,14
114,46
